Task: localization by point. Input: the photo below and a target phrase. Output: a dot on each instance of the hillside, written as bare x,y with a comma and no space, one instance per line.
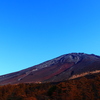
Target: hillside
65,67
83,88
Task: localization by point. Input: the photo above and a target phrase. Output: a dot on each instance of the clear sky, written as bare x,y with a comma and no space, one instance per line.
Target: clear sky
34,31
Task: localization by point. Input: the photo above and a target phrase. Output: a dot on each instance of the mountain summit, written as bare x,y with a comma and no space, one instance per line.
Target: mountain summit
68,66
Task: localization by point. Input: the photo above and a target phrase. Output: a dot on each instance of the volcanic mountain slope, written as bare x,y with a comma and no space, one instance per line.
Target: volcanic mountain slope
62,68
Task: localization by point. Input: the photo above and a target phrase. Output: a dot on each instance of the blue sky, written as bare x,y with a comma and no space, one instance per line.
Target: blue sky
33,31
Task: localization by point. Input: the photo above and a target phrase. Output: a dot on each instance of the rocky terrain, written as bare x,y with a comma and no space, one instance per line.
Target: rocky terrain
62,68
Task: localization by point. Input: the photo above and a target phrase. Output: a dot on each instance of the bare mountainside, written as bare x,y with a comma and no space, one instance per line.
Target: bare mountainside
68,66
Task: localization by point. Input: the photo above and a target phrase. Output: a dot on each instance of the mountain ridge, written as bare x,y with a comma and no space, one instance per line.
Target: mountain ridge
57,69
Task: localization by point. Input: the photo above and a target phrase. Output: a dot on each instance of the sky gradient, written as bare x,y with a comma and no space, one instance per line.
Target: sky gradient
33,31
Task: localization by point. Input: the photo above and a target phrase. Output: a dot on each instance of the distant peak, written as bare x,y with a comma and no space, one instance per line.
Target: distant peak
77,54
72,57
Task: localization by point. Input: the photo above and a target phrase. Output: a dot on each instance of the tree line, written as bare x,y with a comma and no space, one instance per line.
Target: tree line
84,88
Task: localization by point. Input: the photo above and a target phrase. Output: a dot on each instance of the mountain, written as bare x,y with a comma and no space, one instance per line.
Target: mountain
65,67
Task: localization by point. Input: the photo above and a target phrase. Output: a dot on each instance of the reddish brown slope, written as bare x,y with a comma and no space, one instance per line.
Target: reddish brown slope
58,69
46,73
